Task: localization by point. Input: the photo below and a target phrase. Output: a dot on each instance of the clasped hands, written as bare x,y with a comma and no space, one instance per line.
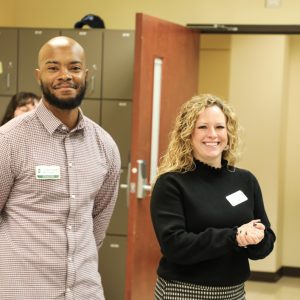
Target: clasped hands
250,233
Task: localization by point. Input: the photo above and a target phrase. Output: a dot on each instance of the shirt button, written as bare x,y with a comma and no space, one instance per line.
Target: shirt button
68,290
70,164
64,128
69,227
69,258
73,196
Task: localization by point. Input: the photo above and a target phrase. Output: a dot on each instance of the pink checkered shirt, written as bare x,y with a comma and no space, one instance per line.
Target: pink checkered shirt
51,229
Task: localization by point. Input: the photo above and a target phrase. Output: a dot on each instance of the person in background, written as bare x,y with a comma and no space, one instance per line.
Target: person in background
208,215
59,179
20,103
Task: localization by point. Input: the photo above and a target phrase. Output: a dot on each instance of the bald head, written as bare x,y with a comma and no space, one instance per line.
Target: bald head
60,43
62,73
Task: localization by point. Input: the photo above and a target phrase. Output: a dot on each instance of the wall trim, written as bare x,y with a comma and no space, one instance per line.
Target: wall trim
275,276
245,28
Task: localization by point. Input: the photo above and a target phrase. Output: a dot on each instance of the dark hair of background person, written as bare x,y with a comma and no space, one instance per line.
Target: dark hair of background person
18,100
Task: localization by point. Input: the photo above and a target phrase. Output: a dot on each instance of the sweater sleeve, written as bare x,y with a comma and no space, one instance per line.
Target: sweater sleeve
177,243
266,246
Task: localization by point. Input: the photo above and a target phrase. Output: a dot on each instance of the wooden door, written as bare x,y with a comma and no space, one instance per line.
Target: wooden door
178,49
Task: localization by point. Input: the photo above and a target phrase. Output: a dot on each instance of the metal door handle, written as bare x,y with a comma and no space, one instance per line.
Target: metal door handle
142,187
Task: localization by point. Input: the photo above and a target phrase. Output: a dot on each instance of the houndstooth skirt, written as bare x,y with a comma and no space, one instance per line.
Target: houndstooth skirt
176,290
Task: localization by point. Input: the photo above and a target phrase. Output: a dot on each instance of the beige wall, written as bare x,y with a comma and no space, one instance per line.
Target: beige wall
120,14
257,72
273,154
214,64
7,13
291,188
263,75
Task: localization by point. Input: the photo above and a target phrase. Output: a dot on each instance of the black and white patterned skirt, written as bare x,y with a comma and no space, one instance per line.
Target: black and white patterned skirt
176,290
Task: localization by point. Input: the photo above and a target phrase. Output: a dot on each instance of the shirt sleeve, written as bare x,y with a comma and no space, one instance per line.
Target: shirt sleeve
6,174
266,246
106,198
177,243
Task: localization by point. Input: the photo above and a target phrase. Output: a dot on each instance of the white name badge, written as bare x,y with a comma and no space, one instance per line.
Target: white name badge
47,172
236,198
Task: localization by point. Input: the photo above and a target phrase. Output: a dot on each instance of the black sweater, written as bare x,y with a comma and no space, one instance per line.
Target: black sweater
196,225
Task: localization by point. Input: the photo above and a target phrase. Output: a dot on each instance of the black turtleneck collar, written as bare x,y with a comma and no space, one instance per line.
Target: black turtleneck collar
208,168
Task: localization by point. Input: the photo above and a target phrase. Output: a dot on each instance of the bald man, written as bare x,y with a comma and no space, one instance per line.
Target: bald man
59,178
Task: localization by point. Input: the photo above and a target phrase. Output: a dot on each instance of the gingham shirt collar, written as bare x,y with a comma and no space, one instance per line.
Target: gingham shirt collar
51,123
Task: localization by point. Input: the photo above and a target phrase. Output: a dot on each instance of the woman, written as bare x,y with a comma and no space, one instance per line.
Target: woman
19,104
208,215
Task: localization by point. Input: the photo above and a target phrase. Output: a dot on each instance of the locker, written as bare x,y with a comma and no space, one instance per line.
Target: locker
112,264
30,42
4,100
8,61
91,41
116,119
119,221
118,55
92,109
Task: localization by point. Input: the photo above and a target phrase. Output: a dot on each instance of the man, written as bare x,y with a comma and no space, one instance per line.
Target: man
59,177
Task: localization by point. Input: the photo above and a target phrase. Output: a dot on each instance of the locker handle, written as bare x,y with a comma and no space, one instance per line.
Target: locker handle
125,186
8,81
92,84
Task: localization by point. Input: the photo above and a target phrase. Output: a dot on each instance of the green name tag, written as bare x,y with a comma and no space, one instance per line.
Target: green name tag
47,172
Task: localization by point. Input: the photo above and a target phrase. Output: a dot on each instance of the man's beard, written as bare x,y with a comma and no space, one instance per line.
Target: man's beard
68,103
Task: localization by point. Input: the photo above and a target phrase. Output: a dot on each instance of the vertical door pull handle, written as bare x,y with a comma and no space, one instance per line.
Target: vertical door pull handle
142,186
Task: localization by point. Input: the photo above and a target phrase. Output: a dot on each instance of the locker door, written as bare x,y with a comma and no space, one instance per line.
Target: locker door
8,61
30,42
118,53
91,108
112,258
3,104
116,119
119,221
91,41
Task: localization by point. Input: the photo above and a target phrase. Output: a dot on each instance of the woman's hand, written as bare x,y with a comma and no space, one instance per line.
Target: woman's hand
250,234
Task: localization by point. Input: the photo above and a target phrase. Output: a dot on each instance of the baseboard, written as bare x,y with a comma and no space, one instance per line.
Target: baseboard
291,271
275,276
265,276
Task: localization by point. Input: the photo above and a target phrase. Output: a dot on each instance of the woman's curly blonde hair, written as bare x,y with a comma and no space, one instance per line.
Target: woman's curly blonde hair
179,154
